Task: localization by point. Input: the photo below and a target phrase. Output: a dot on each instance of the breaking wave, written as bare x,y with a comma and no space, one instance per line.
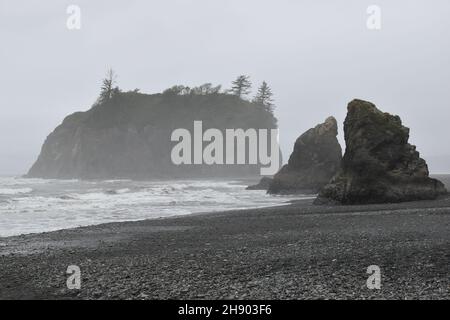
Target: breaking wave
34,205
8,191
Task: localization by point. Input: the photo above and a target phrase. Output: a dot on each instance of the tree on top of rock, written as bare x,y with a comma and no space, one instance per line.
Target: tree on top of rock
206,89
241,86
203,90
108,89
264,97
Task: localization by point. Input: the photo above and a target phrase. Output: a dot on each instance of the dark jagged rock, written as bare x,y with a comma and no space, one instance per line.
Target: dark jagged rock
263,184
314,161
379,165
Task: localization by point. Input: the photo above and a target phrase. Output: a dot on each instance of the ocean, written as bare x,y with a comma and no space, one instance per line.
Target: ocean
38,205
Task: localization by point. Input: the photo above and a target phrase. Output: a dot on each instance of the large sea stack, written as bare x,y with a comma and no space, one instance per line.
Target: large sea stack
129,136
315,160
379,165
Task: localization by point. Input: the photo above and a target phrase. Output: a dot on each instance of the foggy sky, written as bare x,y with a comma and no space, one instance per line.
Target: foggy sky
316,55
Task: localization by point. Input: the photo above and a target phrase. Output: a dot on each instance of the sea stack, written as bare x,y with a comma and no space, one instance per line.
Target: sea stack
315,160
379,165
129,136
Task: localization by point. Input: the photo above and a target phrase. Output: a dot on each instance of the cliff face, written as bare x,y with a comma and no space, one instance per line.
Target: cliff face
379,165
129,137
315,160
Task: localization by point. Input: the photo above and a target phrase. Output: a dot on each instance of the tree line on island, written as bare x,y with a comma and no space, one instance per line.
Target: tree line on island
126,134
241,88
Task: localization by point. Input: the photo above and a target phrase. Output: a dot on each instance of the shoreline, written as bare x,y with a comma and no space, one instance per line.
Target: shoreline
445,178
31,206
297,203
294,251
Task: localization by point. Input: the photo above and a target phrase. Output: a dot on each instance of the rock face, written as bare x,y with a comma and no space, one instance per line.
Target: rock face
379,165
263,184
129,137
315,160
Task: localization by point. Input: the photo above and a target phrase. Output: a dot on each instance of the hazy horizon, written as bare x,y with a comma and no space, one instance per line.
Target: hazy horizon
316,56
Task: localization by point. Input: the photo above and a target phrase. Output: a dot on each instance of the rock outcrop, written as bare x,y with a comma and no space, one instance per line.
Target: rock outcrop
263,184
379,165
129,137
315,160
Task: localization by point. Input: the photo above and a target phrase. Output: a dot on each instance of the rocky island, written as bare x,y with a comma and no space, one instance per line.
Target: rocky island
128,135
379,165
315,160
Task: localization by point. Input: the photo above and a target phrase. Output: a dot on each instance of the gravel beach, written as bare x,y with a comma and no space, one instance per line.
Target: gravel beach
297,251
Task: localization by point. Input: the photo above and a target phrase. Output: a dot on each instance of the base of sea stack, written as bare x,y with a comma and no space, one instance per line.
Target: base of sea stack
341,192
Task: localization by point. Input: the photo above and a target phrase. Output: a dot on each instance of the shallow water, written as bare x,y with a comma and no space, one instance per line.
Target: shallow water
37,205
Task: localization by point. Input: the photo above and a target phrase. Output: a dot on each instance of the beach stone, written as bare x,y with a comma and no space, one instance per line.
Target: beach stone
315,160
379,165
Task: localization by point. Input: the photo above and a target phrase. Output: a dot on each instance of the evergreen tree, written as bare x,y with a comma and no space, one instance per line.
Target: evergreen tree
108,89
264,97
241,86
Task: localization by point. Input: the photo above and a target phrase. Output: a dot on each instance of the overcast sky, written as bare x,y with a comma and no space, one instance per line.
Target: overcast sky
317,55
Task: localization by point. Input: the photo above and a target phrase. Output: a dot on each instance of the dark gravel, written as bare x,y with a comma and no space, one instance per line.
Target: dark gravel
299,251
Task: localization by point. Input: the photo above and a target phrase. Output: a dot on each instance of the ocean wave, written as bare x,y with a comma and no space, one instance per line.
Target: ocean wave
117,180
61,205
12,191
118,191
67,197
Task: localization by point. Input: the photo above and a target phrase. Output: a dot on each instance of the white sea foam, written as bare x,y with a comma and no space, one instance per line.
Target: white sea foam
12,191
34,205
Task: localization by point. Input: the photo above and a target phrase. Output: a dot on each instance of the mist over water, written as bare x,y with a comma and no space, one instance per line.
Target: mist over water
37,205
